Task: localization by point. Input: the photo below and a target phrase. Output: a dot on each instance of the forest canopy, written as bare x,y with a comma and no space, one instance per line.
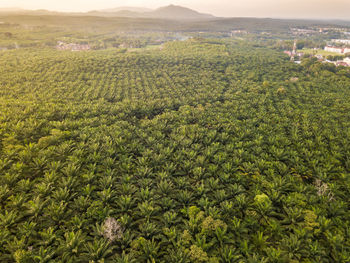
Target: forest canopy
204,150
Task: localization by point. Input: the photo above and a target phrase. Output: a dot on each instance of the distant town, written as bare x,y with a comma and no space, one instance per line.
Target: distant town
335,51
329,44
72,46
344,60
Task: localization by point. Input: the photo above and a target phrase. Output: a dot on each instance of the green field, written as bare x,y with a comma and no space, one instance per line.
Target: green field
318,52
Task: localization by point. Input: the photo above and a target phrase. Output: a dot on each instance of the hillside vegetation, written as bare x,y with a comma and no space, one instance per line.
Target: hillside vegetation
97,22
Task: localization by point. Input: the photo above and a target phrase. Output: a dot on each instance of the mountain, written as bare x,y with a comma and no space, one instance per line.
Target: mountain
171,12
178,13
39,12
126,8
121,13
11,10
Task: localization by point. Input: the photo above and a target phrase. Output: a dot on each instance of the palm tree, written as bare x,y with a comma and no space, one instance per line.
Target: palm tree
229,254
44,255
125,258
148,250
70,248
99,250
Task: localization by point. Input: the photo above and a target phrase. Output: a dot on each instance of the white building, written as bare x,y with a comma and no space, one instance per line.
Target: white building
334,49
347,60
339,50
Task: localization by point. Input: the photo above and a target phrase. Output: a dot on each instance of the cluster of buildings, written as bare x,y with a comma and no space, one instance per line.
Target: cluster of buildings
335,49
235,32
292,54
334,29
345,62
317,30
72,46
128,45
302,31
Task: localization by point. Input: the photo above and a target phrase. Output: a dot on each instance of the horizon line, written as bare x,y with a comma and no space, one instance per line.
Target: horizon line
215,16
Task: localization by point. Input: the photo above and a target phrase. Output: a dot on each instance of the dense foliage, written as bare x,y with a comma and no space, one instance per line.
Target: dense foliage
204,151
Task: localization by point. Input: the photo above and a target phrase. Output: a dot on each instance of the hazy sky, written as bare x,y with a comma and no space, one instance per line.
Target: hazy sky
259,8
